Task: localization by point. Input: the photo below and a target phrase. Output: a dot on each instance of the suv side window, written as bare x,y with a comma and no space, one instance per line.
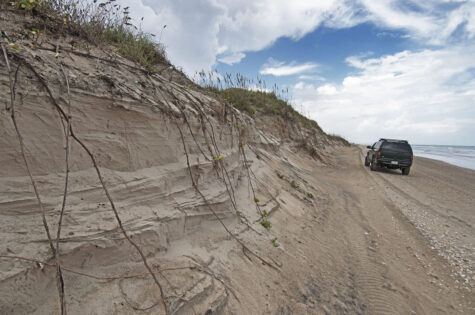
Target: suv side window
377,145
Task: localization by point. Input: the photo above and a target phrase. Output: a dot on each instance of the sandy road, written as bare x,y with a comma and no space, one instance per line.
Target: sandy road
369,242
397,230
439,199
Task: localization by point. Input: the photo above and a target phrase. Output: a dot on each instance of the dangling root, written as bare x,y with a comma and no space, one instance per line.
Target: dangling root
100,177
59,275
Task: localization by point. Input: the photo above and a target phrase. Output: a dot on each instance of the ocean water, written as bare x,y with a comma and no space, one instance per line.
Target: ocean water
463,156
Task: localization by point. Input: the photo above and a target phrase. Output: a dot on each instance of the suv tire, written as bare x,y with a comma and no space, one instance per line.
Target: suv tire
372,165
405,170
366,161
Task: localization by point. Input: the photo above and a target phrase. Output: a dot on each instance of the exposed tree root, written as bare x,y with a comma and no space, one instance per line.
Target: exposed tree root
205,269
59,276
265,262
130,304
100,177
88,275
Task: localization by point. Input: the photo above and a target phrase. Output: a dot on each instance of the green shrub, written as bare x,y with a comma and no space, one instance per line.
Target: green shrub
98,22
266,224
263,102
27,5
217,158
293,184
138,47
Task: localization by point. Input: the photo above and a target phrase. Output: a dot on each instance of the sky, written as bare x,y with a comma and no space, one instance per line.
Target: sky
363,69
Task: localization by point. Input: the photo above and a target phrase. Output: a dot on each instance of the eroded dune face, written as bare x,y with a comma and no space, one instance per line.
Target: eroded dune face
181,167
231,214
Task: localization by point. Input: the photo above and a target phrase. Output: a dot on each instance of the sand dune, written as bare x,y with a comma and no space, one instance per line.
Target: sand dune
192,190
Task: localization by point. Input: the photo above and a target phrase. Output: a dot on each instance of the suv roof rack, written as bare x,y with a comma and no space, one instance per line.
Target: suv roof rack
394,140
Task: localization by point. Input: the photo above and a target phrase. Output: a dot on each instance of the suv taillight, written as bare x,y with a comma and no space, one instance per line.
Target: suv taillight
378,154
412,158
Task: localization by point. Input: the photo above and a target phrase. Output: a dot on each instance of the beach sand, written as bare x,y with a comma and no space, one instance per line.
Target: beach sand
364,243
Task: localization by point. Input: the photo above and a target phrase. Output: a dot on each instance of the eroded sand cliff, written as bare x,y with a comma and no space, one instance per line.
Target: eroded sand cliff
192,179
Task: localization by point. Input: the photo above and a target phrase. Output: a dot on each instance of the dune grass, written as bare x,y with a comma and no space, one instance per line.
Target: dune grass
268,103
97,22
339,138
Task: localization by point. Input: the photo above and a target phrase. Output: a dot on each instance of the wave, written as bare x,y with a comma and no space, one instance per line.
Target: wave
463,156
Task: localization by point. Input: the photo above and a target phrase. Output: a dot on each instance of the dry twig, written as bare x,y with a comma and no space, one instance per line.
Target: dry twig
265,262
87,275
101,180
59,276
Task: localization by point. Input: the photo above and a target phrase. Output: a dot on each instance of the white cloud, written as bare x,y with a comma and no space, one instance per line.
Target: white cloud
311,77
463,16
299,86
424,20
200,32
393,15
425,97
278,68
232,58
327,89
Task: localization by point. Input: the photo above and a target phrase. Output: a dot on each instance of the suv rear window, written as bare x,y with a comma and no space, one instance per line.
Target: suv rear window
397,146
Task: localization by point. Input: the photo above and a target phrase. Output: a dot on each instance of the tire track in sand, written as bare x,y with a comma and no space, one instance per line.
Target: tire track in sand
370,272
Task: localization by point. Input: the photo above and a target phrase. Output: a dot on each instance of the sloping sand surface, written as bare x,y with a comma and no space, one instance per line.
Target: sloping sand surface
353,248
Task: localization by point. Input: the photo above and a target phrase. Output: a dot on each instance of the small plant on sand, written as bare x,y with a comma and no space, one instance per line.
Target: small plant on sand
274,242
256,200
293,184
266,224
217,158
12,45
280,176
310,195
27,5
264,214
34,33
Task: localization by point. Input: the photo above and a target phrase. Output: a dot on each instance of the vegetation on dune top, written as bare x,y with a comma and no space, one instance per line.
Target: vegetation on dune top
267,103
253,97
339,138
96,22
137,47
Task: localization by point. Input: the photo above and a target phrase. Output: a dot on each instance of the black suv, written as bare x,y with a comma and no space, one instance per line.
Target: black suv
390,153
